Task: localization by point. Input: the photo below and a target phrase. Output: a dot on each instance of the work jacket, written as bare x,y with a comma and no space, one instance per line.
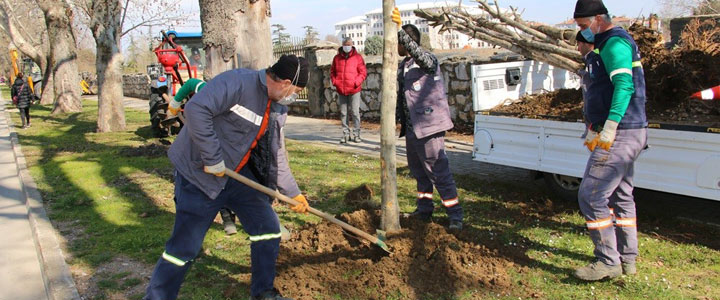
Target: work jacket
222,124
348,72
425,98
599,95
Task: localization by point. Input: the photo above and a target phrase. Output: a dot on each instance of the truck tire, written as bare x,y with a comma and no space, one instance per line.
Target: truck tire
566,187
155,115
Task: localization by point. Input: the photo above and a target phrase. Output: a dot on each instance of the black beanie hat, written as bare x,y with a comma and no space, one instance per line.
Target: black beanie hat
589,8
287,66
581,38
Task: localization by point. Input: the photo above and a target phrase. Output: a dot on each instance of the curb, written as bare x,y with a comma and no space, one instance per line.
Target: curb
58,280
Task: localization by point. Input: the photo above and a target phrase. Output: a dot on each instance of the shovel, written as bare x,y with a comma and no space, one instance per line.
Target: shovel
272,193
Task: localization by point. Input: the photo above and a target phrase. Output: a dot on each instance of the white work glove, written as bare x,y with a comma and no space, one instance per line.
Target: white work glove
607,135
591,139
173,108
216,169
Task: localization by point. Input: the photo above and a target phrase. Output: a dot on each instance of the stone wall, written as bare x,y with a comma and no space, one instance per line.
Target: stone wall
136,86
457,77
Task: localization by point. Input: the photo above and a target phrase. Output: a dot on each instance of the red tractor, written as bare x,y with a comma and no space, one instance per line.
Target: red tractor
166,76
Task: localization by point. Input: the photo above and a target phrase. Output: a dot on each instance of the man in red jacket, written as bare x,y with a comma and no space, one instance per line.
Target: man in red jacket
347,74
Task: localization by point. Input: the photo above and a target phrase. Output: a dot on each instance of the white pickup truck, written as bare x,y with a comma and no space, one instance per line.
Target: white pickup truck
684,160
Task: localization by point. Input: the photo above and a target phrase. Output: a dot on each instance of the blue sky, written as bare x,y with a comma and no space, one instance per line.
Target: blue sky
323,14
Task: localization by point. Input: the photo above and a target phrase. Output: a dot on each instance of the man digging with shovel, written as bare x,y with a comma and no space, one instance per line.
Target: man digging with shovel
235,120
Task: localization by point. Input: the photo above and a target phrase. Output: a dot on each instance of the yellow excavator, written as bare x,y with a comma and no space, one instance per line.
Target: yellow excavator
24,66
87,82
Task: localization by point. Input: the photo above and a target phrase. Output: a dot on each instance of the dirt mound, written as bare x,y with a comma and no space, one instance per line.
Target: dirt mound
360,197
148,150
671,76
427,261
564,102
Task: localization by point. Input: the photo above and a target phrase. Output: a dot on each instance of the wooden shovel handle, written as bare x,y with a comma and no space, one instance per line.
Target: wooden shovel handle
273,193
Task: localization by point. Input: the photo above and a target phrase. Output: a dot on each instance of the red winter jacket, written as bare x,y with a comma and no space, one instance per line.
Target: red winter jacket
348,72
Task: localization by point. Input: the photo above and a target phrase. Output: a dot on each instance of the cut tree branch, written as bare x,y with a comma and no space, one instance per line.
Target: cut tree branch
505,28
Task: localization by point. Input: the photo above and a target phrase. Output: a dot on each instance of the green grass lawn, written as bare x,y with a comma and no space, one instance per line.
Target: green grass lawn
114,206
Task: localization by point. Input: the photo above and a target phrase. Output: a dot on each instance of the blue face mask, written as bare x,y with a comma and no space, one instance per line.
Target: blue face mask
588,35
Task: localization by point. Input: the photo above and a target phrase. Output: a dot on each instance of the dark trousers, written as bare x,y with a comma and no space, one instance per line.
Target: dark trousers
429,165
24,115
194,215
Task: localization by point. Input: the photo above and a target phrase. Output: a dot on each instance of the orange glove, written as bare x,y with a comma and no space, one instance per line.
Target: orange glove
173,108
396,17
591,140
607,135
303,206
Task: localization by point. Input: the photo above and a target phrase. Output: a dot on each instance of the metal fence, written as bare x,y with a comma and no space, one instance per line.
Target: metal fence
294,46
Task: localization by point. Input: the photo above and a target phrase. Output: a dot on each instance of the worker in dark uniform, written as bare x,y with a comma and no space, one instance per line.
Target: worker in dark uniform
234,121
424,114
615,111
187,90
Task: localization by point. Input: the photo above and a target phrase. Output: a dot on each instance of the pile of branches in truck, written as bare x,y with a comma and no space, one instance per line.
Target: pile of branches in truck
671,75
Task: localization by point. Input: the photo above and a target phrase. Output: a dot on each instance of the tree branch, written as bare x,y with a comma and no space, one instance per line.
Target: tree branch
509,31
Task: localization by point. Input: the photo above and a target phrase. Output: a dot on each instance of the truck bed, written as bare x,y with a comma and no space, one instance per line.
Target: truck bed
676,161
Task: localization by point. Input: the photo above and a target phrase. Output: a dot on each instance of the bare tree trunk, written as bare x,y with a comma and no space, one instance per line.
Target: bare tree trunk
48,85
254,25
249,20
63,56
390,210
106,31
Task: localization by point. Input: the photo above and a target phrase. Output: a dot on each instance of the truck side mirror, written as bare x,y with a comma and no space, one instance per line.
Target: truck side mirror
512,76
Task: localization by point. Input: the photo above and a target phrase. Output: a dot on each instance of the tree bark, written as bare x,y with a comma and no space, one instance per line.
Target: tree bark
48,89
249,19
25,26
106,31
390,219
63,56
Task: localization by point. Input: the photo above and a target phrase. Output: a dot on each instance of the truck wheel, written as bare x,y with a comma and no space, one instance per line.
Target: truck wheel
155,101
564,186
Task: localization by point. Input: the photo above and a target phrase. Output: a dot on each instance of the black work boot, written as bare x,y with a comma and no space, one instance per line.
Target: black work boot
273,294
421,216
597,271
455,225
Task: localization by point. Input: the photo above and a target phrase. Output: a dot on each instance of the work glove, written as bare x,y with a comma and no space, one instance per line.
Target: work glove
216,169
591,139
396,17
173,108
303,206
607,135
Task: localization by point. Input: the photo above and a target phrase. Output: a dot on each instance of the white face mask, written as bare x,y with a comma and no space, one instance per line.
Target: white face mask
347,49
290,99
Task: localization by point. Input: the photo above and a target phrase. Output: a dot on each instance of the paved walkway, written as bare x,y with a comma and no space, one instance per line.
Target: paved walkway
328,133
19,262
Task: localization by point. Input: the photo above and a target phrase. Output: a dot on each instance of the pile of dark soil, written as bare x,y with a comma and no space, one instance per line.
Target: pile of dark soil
671,76
360,197
426,261
564,102
147,150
